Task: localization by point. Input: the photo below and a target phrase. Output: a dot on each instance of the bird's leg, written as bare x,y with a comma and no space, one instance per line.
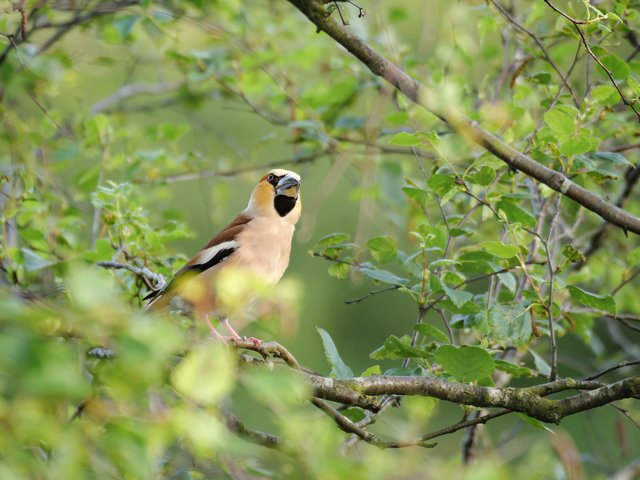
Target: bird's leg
256,341
213,330
227,325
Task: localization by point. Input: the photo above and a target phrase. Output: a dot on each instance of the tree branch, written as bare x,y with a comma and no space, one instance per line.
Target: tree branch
529,400
235,425
532,401
419,94
153,280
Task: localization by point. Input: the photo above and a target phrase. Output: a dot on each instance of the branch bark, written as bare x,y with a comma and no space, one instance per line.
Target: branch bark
528,400
314,10
362,391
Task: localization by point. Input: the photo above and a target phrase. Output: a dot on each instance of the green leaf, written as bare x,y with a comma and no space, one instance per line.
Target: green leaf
205,375
515,214
605,95
634,85
541,365
466,364
405,139
418,194
395,348
513,369
339,369
373,370
102,251
500,249
433,235
383,276
354,414
332,245
542,78
534,422
562,121
332,239
579,145
383,249
460,231
633,257
573,254
508,324
339,270
618,67
509,281
588,299
397,118
458,297
441,184
611,158
430,331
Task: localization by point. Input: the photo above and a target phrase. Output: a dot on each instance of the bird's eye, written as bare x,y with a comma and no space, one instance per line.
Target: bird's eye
271,177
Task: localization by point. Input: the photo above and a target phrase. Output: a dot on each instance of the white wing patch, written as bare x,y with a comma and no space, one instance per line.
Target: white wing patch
205,255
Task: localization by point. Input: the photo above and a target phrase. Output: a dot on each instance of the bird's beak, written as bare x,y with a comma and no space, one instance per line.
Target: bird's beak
288,185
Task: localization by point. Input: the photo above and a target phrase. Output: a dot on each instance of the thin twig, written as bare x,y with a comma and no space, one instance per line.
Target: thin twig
624,364
183,177
371,294
627,280
552,332
235,425
153,280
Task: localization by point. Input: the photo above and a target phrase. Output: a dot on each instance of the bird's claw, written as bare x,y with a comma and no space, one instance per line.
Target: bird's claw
257,343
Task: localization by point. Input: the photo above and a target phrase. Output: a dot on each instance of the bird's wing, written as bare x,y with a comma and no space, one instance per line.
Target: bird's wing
221,247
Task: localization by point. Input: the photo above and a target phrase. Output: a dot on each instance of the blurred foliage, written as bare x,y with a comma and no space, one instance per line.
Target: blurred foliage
120,123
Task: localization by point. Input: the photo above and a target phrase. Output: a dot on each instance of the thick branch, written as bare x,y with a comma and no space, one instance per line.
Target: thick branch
416,92
530,400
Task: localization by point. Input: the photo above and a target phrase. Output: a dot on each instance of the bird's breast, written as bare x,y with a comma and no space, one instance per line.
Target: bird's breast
265,246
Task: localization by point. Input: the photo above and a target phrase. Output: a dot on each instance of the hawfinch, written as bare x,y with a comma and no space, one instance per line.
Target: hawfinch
257,241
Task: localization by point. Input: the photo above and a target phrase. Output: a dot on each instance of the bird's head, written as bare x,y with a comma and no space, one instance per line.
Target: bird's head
277,195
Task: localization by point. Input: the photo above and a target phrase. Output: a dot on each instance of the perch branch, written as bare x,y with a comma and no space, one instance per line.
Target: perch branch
531,401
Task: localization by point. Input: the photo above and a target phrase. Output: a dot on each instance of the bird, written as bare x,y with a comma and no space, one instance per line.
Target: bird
257,242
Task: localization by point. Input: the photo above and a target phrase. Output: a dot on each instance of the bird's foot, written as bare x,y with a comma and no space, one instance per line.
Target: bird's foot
257,343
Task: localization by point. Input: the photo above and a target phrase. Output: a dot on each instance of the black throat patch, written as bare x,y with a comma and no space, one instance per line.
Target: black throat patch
284,204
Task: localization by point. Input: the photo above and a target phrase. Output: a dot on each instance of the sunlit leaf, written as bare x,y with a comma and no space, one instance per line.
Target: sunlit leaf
383,249
593,300
466,364
508,324
513,369
430,331
458,297
516,214
405,139
561,120
500,249
383,276
395,347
